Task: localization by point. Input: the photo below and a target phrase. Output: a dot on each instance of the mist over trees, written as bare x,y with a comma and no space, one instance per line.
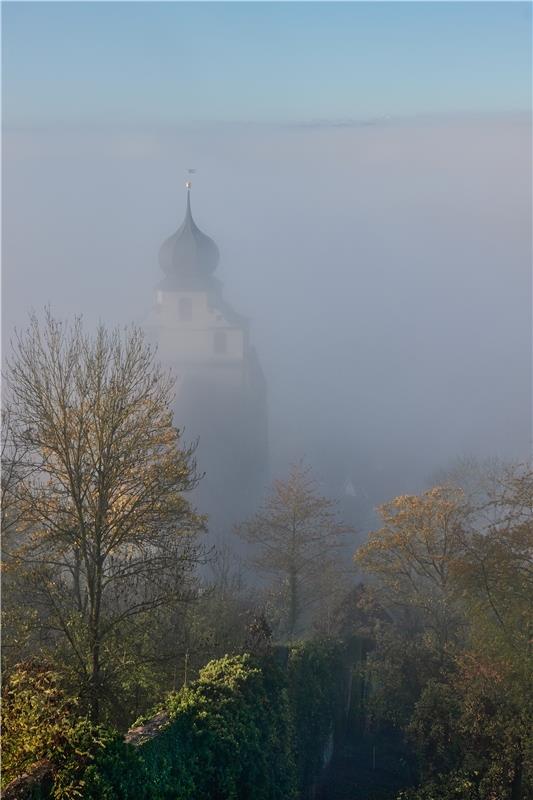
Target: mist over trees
114,594
266,454
118,591
385,270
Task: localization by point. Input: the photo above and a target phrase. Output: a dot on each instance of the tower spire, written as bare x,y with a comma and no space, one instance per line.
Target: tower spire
188,214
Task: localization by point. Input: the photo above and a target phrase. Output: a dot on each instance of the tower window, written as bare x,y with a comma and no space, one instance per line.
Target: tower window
185,308
220,342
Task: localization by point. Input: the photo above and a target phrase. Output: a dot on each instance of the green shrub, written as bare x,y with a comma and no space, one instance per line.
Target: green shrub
36,717
41,723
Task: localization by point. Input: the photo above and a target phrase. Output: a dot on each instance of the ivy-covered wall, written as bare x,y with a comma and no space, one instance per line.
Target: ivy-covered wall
316,681
247,729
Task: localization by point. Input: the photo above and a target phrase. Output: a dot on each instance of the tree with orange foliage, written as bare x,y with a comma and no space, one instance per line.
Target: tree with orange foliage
412,556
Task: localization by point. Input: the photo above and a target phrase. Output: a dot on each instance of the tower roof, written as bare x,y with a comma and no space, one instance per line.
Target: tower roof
188,255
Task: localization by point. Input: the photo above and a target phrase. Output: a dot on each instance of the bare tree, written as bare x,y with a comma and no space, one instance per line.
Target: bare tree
297,538
111,537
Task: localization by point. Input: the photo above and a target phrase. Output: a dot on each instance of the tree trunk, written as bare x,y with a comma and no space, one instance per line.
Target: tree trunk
516,785
94,644
94,688
293,602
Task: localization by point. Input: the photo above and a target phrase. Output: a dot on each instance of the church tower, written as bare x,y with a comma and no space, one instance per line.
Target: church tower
220,387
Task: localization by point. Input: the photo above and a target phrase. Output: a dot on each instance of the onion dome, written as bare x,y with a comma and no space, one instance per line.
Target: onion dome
188,255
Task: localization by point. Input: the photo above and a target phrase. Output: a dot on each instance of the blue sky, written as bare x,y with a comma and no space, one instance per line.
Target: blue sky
176,63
